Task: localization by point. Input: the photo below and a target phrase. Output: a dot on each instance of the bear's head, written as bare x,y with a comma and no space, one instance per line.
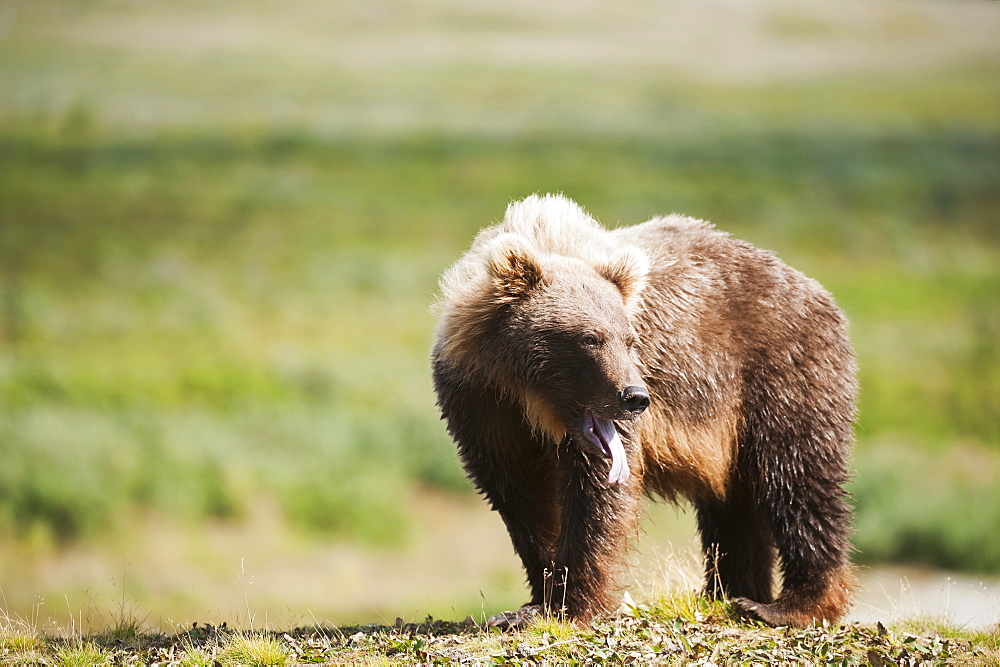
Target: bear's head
554,331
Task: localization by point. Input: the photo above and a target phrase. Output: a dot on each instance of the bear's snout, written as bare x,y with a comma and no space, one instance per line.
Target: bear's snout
633,399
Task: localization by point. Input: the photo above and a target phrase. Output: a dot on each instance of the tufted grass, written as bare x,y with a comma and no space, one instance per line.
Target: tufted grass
253,649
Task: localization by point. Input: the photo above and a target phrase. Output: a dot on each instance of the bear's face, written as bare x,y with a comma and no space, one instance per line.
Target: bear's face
567,339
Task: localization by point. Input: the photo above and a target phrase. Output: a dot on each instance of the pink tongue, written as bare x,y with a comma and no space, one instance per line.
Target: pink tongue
602,432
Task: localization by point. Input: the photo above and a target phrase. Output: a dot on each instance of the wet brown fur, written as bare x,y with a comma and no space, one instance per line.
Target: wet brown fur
751,382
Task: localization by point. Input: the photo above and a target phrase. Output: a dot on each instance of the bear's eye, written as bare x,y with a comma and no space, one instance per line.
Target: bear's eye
590,340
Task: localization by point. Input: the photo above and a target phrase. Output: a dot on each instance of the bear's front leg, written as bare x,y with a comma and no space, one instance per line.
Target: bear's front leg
522,491
598,520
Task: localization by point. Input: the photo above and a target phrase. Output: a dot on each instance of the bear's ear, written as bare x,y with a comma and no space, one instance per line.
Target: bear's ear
513,268
628,270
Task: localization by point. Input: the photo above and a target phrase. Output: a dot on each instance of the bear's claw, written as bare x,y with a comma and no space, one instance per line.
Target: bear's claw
775,614
515,620
747,608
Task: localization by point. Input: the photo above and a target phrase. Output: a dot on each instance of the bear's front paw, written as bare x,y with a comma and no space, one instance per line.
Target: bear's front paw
515,620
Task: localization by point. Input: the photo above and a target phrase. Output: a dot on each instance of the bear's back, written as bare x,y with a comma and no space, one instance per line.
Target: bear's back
700,269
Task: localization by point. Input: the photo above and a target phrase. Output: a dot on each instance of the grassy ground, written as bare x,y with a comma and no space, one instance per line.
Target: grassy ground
674,630
220,234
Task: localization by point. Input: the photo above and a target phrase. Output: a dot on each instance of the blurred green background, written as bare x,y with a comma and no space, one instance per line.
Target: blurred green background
221,228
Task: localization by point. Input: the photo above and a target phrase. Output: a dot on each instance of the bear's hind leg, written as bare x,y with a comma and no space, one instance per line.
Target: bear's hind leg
809,518
817,580
825,599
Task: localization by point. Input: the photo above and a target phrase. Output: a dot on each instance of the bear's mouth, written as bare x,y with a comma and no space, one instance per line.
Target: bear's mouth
602,432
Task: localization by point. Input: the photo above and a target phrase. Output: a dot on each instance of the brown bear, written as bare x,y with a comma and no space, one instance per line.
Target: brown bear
579,367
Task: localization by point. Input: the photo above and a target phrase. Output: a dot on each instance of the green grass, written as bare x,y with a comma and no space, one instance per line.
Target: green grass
20,640
253,649
675,630
925,507
218,249
82,654
182,312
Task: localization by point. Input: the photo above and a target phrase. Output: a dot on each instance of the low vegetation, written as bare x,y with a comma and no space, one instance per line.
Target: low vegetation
682,629
220,233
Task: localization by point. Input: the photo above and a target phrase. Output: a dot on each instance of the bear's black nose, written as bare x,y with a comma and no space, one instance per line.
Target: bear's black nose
633,399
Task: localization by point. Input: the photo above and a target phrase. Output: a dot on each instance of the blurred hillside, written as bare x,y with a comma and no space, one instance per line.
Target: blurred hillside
221,228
